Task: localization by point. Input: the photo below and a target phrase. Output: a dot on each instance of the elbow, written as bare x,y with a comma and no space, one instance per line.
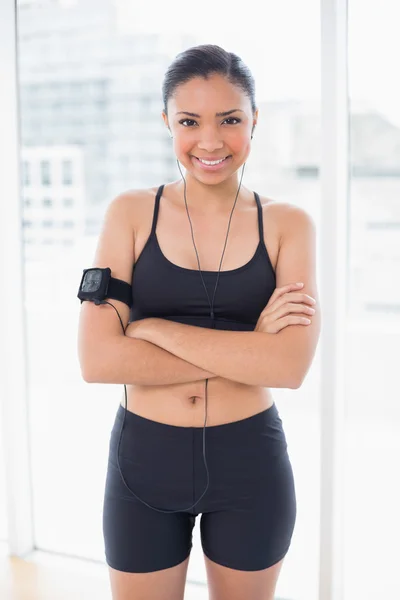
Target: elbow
295,385
89,365
89,379
94,371
95,359
98,364
291,379
88,375
289,384
298,381
281,383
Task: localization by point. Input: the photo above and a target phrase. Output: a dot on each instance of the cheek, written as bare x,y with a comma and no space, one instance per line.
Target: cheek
239,144
181,144
184,146
236,144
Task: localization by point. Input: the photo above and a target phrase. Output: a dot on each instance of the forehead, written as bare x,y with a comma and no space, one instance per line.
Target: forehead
214,93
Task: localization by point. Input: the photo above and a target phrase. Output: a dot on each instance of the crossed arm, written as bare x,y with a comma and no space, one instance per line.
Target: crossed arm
254,357
249,357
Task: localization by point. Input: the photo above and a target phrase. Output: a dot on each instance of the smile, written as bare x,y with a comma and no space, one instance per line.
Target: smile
211,165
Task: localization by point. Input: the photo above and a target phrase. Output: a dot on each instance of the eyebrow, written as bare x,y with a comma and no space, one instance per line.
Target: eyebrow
220,114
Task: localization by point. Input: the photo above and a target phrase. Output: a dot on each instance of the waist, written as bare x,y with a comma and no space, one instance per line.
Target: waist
184,404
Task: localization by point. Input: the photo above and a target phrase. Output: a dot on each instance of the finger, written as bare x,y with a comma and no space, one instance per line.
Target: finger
303,298
292,320
278,292
299,307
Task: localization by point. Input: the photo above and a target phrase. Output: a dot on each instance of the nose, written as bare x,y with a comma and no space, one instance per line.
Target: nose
210,140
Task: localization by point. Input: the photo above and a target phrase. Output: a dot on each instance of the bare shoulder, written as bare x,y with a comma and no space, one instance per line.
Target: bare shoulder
134,198
283,209
136,203
285,216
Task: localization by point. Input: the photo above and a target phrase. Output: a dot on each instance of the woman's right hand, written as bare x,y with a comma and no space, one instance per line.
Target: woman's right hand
285,300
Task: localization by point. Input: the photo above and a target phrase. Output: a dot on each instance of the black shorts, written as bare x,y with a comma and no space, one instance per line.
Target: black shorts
248,512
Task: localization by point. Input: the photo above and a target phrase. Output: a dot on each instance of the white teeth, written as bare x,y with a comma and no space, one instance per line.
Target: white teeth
211,162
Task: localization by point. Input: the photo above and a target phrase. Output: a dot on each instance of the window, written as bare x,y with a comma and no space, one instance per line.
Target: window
45,172
67,172
116,96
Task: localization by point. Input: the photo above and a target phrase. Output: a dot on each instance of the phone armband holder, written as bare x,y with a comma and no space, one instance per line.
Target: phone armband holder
97,285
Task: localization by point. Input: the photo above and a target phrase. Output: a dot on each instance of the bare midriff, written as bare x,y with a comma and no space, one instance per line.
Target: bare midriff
184,404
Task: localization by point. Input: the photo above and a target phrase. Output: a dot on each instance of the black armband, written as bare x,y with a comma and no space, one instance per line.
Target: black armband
97,285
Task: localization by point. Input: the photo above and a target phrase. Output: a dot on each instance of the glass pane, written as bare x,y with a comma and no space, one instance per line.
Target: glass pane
372,521
90,88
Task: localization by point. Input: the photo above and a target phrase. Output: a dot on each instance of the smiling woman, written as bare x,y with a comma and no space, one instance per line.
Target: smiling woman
206,333
211,141
211,160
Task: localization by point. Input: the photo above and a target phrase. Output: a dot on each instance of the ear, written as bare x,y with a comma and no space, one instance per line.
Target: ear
165,119
255,119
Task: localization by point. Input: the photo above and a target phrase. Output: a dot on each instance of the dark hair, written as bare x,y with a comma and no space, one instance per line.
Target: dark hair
203,61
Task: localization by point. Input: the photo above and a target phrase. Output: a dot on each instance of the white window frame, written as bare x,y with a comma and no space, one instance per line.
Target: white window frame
13,371
334,286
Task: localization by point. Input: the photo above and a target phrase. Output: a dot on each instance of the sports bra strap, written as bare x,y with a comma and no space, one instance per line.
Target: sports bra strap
260,217
156,207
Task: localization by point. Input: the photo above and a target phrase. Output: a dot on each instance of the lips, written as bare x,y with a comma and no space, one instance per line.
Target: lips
211,159
215,167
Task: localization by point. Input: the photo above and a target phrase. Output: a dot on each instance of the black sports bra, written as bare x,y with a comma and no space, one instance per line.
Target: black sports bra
165,290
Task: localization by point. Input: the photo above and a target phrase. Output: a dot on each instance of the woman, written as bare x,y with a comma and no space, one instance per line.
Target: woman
202,346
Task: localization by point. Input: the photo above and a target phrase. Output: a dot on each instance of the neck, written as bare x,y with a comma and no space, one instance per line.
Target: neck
211,198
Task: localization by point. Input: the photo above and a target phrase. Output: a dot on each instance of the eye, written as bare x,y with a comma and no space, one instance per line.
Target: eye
234,119
191,121
185,121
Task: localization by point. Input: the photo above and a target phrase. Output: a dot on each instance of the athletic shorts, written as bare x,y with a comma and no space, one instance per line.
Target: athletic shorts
248,512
